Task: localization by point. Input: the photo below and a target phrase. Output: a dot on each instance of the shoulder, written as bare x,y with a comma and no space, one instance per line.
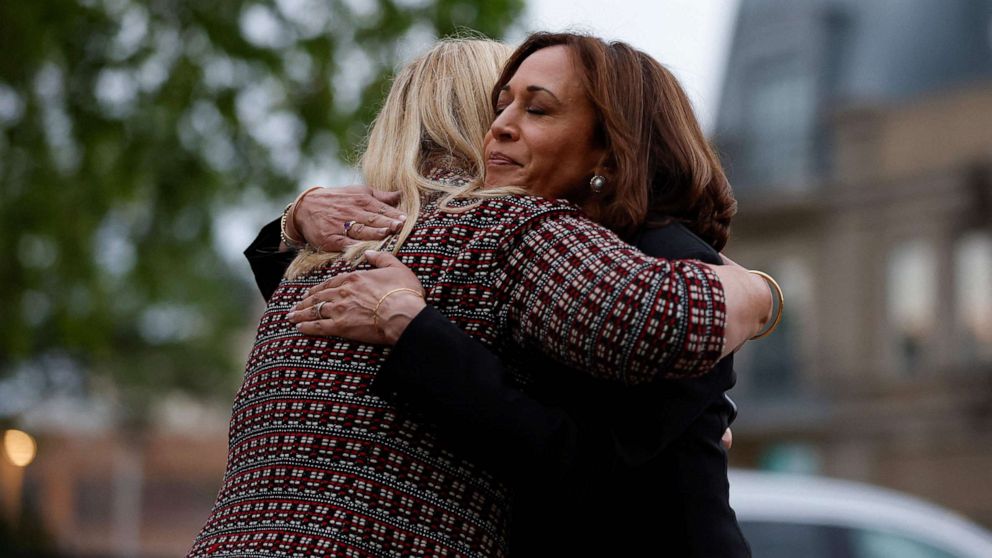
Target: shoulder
515,215
676,241
520,226
497,223
557,221
531,206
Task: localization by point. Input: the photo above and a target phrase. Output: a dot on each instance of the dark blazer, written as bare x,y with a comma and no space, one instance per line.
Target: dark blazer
596,467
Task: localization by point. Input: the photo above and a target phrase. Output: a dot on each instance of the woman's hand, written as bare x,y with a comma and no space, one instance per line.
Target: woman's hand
319,217
351,298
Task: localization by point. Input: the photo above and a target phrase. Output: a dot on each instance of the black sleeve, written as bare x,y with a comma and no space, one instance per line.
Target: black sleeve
438,371
656,415
268,264
455,382
687,492
700,511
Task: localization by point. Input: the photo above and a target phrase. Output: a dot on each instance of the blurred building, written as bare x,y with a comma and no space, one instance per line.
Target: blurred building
858,137
96,490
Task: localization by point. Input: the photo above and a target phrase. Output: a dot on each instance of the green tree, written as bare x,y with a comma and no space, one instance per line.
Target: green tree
127,128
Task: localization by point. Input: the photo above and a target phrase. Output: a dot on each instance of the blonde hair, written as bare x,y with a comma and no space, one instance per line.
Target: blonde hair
436,115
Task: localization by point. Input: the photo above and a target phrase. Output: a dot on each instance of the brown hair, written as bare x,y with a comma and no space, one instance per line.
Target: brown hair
660,163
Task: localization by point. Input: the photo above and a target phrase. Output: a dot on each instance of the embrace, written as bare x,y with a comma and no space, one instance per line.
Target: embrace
516,341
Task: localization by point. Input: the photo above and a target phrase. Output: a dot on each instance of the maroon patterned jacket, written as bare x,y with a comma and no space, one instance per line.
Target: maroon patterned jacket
320,466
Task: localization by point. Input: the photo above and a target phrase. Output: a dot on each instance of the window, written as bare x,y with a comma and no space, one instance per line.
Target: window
785,539
780,115
791,457
973,296
771,368
775,539
878,544
911,303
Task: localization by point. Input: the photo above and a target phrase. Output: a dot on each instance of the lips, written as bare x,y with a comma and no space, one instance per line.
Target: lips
497,158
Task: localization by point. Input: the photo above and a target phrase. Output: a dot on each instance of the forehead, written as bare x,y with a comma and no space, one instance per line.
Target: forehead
551,67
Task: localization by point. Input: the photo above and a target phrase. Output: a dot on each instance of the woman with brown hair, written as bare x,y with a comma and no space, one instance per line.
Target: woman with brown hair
319,465
588,457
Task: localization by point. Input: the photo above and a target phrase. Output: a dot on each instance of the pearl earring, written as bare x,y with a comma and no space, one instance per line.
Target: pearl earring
596,183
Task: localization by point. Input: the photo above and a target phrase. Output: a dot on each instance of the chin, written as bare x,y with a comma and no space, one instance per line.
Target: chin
497,178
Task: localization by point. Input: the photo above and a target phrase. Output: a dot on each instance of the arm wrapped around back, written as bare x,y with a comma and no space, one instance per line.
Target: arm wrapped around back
594,302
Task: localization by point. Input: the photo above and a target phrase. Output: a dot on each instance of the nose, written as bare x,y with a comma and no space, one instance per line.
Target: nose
504,126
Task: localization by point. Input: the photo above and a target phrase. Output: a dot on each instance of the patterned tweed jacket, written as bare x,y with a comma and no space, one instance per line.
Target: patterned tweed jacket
320,466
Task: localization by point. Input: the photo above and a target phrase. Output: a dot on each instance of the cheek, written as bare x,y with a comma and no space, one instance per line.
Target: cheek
564,175
561,161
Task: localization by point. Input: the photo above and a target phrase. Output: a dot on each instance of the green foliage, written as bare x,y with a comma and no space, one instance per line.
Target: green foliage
127,128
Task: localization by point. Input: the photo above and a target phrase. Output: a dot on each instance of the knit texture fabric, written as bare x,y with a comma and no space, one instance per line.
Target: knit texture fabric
320,466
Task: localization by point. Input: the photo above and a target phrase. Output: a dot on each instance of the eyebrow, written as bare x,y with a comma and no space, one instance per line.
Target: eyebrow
532,89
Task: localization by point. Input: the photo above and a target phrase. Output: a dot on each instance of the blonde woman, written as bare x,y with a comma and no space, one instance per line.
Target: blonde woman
319,465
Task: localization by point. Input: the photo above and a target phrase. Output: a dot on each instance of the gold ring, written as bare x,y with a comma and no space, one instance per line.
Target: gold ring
318,308
347,227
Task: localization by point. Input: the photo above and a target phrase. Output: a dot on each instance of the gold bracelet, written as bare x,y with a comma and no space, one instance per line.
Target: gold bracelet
777,290
289,214
375,311
283,235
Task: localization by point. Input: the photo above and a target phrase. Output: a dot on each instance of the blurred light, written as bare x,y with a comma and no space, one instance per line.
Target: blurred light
363,8
116,91
48,82
11,105
19,447
165,323
261,27
133,32
36,307
973,291
37,251
315,17
355,72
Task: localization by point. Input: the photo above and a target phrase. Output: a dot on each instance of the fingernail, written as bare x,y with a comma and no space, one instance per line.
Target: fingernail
369,253
402,218
290,315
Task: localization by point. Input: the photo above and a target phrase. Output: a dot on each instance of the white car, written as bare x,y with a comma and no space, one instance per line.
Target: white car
790,516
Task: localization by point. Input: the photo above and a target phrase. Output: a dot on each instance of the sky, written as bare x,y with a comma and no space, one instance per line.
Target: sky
690,37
